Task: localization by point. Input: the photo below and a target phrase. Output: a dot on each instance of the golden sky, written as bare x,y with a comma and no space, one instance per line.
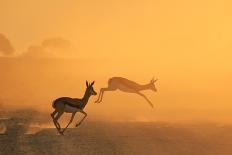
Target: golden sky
186,44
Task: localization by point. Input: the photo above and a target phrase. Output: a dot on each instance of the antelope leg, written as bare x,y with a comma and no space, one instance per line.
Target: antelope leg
56,121
102,92
73,114
99,96
85,115
145,99
53,119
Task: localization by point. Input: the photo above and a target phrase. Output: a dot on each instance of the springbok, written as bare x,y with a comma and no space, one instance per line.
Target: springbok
128,86
71,105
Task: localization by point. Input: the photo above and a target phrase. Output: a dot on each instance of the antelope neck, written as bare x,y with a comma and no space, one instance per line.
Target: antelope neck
85,98
144,86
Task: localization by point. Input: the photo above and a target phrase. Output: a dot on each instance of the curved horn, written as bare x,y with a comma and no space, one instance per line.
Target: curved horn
152,80
87,84
92,83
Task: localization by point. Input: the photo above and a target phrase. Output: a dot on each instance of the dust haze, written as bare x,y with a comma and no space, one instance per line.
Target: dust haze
35,82
48,49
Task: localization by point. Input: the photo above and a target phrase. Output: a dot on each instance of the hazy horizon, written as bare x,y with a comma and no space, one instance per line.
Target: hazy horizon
49,48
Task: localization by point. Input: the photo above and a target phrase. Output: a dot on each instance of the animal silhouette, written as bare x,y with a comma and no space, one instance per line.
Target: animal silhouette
71,105
128,86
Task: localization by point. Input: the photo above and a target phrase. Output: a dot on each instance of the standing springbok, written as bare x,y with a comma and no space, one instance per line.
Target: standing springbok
129,86
71,105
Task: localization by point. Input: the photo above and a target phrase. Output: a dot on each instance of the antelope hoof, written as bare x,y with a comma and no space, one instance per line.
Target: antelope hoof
78,124
61,132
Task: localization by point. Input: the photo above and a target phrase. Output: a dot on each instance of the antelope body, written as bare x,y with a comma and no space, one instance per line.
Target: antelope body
128,86
71,105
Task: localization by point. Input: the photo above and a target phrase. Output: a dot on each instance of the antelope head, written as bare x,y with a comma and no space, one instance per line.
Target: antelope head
152,85
90,89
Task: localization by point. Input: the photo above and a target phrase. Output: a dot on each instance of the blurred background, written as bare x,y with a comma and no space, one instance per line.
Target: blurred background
49,48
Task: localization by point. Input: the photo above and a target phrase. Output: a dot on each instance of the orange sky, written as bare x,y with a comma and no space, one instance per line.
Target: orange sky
186,44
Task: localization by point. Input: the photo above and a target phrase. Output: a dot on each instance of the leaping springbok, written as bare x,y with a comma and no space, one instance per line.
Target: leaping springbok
128,86
71,105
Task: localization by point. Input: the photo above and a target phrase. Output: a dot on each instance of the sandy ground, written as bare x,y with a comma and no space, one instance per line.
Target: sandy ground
121,138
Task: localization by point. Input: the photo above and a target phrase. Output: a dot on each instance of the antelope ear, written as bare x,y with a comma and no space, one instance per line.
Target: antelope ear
92,83
87,85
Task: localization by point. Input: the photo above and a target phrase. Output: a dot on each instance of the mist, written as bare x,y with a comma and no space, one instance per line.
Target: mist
48,49
35,83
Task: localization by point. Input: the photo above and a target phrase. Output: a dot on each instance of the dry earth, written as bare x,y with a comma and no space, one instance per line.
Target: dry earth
120,138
